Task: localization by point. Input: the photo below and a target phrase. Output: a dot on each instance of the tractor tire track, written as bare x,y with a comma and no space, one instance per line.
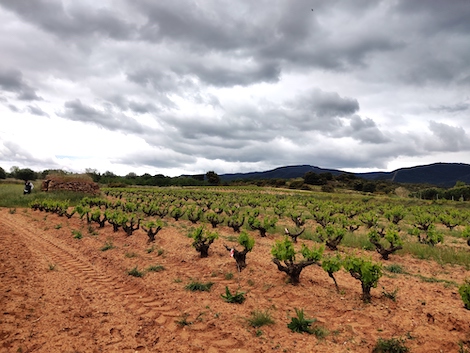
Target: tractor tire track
157,315
130,296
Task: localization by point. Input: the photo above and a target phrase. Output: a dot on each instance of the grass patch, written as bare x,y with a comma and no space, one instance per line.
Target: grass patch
77,234
91,231
231,238
390,295
155,268
301,324
130,255
436,280
237,298
228,276
260,318
11,195
135,272
357,240
184,321
198,286
440,254
107,246
394,268
392,345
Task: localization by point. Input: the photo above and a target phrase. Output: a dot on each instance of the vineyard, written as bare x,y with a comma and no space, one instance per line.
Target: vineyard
240,270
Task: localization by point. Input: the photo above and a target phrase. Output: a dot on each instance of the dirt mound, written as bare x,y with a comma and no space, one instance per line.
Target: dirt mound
77,183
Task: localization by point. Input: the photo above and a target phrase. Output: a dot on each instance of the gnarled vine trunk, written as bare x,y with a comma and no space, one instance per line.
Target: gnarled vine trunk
292,269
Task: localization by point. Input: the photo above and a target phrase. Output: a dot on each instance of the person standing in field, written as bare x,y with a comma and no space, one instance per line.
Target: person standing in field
28,187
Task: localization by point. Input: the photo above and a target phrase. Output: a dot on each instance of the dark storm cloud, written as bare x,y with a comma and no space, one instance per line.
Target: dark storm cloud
77,111
73,21
434,16
221,78
11,80
314,111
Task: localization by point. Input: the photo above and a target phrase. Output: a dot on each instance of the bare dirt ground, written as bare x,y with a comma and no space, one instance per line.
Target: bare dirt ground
60,294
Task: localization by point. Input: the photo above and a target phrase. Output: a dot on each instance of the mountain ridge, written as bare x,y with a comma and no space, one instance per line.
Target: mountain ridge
439,174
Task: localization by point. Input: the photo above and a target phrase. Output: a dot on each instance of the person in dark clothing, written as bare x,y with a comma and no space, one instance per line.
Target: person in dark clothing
28,187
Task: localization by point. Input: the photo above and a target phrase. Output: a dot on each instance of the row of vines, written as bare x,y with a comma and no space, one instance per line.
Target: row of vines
290,219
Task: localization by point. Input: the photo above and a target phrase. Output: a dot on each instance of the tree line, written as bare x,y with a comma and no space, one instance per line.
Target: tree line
326,181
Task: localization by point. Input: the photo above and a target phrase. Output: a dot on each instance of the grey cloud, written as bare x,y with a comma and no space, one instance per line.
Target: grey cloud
72,21
454,108
28,95
435,16
159,158
115,121
15,153
315,111
365,130
329,104
448,138
138,107
37,111
142,108
14,108
238,74
11,80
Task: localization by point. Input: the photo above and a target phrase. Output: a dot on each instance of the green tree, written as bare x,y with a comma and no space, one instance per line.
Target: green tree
213,178
3,174
26,174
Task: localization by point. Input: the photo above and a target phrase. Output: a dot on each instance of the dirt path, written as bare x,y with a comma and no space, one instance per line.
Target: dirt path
60,294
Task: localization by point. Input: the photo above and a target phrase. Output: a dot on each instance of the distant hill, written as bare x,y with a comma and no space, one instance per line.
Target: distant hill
439,174
295,171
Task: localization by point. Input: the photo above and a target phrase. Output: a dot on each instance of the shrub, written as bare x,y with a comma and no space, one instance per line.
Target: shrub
198,286
155,268
392,345
238,298
77,234
107,246
135,272
300,324
332,264
202,242
283,250
394,268
365,271
391,236
240,256
260,318
464,291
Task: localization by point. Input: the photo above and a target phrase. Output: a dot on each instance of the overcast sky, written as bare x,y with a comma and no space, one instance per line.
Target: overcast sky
174,87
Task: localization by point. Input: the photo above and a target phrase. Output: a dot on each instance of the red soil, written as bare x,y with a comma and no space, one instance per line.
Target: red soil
60,294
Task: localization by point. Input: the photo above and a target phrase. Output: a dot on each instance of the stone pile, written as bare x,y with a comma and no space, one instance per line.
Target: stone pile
88,187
